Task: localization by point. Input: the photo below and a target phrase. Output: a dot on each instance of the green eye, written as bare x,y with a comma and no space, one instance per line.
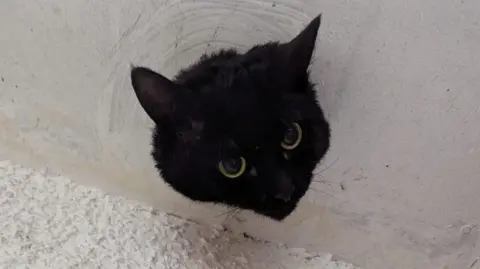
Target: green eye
233,167
292,136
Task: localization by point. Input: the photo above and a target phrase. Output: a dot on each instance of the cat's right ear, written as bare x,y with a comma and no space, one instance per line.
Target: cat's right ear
155,92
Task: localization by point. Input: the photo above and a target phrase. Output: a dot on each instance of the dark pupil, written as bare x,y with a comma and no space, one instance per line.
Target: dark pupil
291,136
232,165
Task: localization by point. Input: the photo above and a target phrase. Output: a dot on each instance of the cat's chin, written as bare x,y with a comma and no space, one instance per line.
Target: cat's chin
278,214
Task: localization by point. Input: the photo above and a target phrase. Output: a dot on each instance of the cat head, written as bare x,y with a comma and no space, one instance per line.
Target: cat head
243,130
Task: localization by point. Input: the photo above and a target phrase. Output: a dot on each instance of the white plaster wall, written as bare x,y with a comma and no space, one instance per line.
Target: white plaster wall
400,81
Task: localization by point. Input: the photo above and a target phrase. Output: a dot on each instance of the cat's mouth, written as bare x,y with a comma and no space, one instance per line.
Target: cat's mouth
277,209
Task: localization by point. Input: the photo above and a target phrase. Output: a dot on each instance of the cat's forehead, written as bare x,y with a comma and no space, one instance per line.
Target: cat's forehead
246,122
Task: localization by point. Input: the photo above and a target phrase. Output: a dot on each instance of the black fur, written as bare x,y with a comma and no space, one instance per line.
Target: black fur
238,104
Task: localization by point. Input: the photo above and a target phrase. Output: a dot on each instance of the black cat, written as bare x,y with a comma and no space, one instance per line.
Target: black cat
243,130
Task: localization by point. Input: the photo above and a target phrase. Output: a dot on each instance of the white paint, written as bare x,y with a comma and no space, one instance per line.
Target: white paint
398,79
50,222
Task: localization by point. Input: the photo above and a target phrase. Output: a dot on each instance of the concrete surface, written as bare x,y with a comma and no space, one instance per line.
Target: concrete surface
399,81
50,222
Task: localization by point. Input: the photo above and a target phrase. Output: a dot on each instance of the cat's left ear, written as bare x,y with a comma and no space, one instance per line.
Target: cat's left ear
297,53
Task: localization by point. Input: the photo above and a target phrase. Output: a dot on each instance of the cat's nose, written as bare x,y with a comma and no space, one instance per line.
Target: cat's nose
285,188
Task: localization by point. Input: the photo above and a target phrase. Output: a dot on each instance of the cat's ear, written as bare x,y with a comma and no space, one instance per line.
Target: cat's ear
297,53
155,92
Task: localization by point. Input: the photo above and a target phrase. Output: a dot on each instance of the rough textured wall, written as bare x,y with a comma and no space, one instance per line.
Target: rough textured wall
399,81
72,228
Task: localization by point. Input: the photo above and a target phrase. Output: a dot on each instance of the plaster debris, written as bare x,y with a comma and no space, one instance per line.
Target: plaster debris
50,222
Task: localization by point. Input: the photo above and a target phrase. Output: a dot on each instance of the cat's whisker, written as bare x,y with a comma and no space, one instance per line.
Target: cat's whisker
331,196
232,214
228,212
320,191
328,166
224,213
323,180
329,186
